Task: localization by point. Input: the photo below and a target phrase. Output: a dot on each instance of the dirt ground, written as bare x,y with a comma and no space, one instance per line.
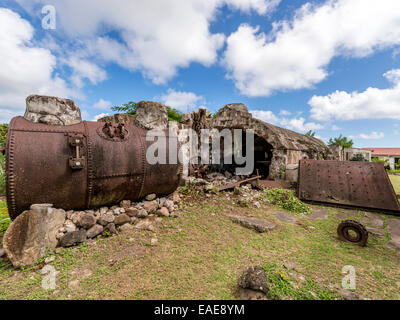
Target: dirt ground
202,254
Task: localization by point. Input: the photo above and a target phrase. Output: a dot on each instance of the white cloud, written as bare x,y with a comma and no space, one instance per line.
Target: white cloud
182,101
99,116
267,116
103,105
83,69
285,113
296,53
373,103
372,136
296,124
25,68
335,128
300,124
261,6
157,37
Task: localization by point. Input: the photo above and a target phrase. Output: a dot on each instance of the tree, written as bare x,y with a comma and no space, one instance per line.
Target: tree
131,107
358,157
128,108
310,133
341,141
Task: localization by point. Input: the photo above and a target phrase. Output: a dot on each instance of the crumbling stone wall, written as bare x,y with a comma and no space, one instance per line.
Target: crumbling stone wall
288,146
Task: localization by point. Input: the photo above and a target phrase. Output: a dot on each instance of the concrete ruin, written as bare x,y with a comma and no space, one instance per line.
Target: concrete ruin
277,150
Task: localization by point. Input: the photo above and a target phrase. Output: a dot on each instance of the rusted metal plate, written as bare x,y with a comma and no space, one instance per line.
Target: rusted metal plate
360,184
81,166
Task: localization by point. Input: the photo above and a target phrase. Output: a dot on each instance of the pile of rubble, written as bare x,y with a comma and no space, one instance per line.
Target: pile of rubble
44,228
248,194
82,225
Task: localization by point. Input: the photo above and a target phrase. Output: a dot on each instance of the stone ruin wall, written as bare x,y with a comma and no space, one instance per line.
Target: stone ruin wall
288,146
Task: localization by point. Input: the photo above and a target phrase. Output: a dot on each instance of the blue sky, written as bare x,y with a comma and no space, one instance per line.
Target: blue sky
329,66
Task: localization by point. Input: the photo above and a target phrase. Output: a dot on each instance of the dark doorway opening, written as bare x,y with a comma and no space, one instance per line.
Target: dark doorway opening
262,151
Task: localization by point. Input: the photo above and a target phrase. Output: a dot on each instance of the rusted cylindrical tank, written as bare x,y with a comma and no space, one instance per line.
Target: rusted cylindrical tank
87,165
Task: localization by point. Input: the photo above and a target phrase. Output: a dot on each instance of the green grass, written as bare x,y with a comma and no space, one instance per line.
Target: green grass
286,199
202,255
282,286
396,183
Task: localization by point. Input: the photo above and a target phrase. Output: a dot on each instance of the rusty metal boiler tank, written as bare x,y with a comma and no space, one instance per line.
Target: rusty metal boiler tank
82,166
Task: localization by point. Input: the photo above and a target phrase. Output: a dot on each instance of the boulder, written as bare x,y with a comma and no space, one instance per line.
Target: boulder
254,278
72,238
254,223
151,115
52,110
31,233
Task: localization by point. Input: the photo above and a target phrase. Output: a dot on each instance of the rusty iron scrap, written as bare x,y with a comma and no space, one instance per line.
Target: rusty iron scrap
87,165
236,184
358,184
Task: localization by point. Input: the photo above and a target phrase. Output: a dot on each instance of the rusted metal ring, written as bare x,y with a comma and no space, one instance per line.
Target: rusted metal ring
359,236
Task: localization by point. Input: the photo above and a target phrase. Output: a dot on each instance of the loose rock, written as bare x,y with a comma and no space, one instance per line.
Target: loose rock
31,233
94,231
151,197
254,223
150,206
72,238
254,278
132,212
125,204
163,212
122,219
86,220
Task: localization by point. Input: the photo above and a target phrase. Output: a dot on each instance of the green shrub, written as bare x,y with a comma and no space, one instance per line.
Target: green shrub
358,157
376,159
131,107
3,134
286,199
5,220
2,175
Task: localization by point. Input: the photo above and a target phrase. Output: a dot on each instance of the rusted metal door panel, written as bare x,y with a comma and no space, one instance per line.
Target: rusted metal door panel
361,184
78,167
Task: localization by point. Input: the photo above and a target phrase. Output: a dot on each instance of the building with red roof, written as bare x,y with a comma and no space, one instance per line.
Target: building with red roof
391,154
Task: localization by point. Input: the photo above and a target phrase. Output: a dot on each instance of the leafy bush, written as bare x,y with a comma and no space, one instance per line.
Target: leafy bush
358,157
5,220
3,134
286,199
2,175
131,107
